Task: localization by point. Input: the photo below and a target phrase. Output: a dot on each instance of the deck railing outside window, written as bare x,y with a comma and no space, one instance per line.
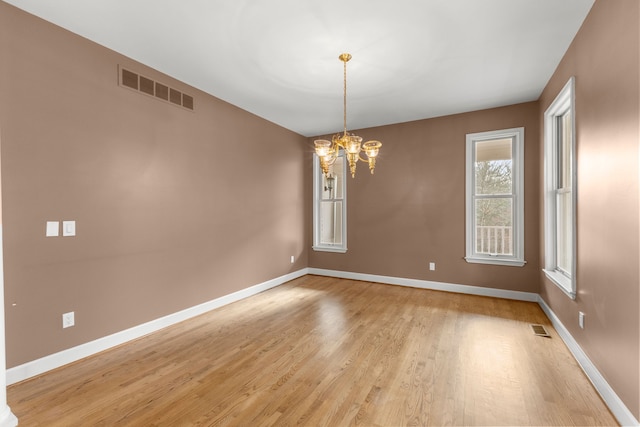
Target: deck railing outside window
495,240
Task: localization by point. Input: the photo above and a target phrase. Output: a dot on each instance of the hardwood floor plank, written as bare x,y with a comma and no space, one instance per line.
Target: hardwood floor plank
321,351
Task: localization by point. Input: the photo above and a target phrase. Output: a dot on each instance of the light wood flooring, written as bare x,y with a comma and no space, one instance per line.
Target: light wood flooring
320,351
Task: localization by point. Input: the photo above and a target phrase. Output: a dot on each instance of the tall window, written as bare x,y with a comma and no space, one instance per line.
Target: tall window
495,202
330,207
560,190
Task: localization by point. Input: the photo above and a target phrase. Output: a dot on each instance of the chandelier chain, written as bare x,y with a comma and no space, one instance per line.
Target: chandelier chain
345,97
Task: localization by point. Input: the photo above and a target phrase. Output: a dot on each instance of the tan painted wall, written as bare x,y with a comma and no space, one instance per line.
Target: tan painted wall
173,208
176,208
604,58
412,211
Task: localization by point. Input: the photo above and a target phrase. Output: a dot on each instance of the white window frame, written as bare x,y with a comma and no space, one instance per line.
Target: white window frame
564,102
317,195
517,196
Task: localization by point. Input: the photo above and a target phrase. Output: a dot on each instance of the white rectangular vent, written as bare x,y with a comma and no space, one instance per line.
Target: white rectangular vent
147,86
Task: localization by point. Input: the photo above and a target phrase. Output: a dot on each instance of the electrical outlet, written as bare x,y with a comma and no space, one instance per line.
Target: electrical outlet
293,259
432,266
68,319
581,319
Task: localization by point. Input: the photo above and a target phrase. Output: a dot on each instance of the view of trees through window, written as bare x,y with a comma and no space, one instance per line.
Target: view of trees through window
494,197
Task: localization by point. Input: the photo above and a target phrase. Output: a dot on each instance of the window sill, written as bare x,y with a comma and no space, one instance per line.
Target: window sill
563,282
496,261
329,249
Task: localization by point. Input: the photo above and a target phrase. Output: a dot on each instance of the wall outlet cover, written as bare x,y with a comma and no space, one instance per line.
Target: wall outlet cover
68,319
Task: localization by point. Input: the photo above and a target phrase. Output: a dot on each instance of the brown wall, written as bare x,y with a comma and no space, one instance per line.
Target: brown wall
412,211
173,208
604,58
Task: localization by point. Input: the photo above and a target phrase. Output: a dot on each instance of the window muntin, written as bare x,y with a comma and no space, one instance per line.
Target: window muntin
330,209
495,208
560,192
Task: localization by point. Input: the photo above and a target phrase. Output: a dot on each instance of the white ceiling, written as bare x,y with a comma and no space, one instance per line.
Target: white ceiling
412,59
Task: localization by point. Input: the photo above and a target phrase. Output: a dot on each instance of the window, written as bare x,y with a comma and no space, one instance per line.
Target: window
495,197
330,206
560,190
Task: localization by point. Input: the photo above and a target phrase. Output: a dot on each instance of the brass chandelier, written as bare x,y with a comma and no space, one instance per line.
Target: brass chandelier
328,151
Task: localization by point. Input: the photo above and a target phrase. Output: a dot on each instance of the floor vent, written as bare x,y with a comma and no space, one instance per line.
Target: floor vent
540,331
147,86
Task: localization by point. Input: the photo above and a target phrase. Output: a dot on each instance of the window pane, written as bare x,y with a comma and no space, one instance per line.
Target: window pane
494,226
328,187
331,223
493,167
333,184
564,150
329,207
564,249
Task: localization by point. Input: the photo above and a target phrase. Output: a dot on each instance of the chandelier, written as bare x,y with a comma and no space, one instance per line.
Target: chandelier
351,144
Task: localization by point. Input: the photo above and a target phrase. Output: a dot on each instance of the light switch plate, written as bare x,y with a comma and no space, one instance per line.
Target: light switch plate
53,229
68,228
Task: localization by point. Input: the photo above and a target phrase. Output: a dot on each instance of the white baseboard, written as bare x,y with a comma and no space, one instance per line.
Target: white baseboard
615,404
7,419
427,284
47,363
39,366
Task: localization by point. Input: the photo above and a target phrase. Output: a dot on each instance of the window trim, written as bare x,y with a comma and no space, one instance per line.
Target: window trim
517,259
565,101
317,194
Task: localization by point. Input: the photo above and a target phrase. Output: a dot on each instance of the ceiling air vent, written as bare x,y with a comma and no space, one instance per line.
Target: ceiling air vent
147,86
